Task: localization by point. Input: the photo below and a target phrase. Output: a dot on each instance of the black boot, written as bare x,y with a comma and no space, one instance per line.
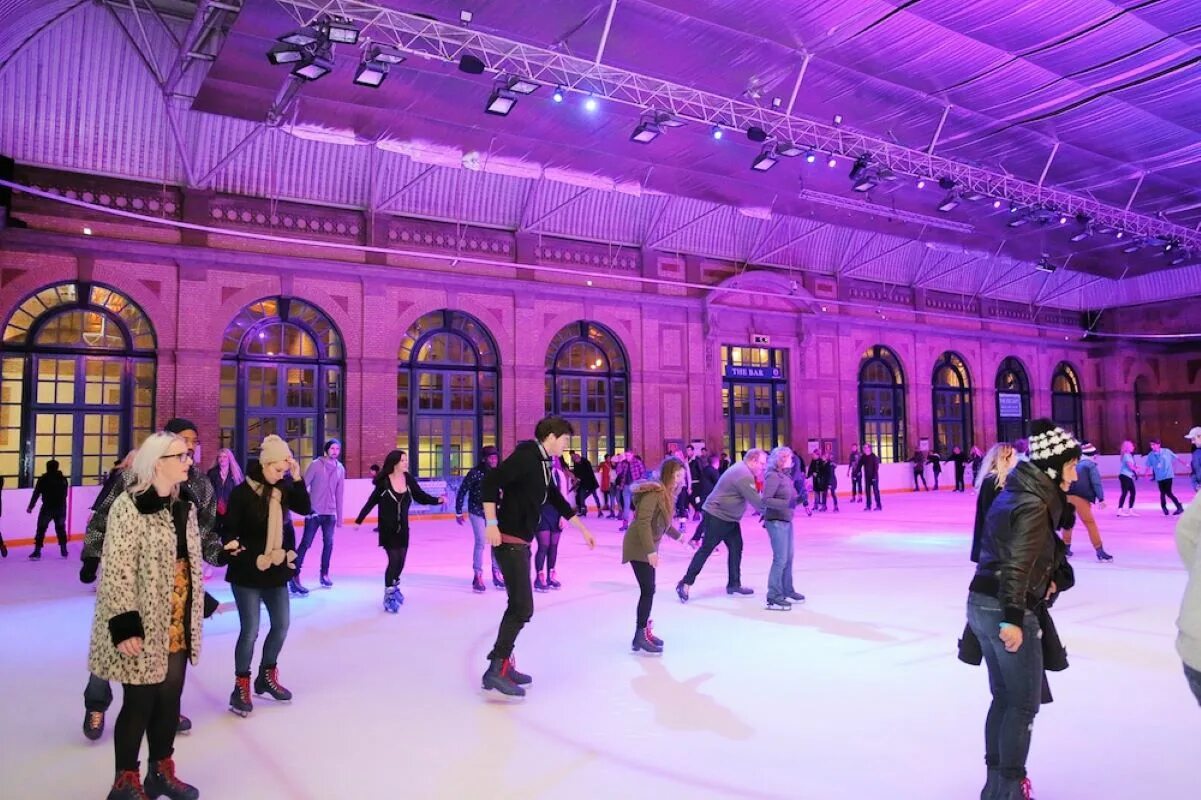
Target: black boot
682,591
3,549
497,579
184,725
644,644
496,678
1102,555
93,724
778,604
128,786
650,633
239,698
161,780
519,678
268,683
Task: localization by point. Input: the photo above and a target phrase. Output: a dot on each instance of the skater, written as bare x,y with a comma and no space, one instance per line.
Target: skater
1018,557
998,462
395,490
654,502
550,529
261,563
935,467
621,479
471,490
606,484
1084,492
821,478
586,484
959,460
722,515
1194,438
976,457
513,496
325,480
1127,474
871,478
149,615
780,500
1162,464
710,474
831,466
855,471
224,476
97,694
1188,640
51,488
919,470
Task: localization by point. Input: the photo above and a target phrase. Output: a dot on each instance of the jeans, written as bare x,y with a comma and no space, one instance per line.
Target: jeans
479,528
856,485
779,578
581,499
514,561
718,531
1127,490
1015,680
327,523
959,485
627,504
644,573
249,600
45,516
97,695
150,711
872,486
1165,494
1194,680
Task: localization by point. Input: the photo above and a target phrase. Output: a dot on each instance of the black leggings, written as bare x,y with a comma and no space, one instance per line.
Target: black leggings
1127,489
151,711
645,574
396,564
548,550
1165,494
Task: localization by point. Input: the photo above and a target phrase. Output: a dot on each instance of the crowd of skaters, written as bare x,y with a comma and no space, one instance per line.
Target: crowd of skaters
159,518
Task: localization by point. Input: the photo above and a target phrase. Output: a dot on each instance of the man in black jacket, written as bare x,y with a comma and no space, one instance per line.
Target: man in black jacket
51,488
586,483
513,495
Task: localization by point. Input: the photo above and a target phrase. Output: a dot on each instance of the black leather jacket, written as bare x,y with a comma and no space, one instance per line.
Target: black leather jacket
1017,550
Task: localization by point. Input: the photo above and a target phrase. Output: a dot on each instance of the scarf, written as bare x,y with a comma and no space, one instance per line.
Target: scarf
273,553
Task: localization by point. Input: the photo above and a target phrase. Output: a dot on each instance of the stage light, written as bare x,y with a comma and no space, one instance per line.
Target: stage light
285,54
521,85
501,102
765,161
832,163
1086,227
862,177
303,37
859,167
1180,257
885,174
837,120
1133,247
996,203
776,102
949,202
1120,234
921,183
810,156
591,104
315,65
342,31
1018,221
1063,220
1044,265
717,132
756,134
470,64
559,94
789,150
947,183
371,73
385,54
646,132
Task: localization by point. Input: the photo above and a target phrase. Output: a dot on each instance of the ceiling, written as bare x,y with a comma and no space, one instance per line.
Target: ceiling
1113,91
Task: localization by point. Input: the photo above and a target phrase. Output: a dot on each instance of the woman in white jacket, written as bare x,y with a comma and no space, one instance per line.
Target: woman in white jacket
1188,642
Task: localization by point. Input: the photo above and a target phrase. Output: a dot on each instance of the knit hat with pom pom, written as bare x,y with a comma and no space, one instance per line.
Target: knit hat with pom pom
1051,447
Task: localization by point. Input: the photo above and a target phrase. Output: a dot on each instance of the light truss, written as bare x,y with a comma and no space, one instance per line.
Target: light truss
425,37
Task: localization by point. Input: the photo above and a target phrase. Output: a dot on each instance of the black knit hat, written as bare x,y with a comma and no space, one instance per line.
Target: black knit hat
1051,447
487,451
178,425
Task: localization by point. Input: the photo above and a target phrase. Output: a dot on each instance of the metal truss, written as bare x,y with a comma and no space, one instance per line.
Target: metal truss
430,38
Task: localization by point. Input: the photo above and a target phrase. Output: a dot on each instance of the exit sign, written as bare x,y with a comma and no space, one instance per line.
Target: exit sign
759,338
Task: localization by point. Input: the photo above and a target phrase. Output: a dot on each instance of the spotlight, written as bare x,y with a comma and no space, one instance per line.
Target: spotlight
837,120
949,202
776,102
386,54
646,132
1133,247
765,161
996,203
342,31
1044,265
1018,221
303,37
1086,227
470,64
591,104
285,54
756,134
465,17
946,183
859,168
521,85
810,156
371,73
501,102
559,94
862,178
921,183
717,132
885,174
1167,248
973,195
315,65
1180,257
1063,220
833,162
1120,234
789,150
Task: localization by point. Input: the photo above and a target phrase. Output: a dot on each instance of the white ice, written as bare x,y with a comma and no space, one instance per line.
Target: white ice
857,694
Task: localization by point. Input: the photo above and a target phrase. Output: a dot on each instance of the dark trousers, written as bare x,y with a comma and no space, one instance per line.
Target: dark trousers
959,484
327,523
249,601
1194,680
856,485
582,495
644,573
514,561
1016,681
937,475
1165,494
45,516
396,564
718,531
872,487
920,475
1127,490
608,494
97,695
150,711
832,491
548,550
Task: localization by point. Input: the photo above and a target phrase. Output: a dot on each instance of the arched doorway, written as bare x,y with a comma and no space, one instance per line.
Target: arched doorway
587,382
882,404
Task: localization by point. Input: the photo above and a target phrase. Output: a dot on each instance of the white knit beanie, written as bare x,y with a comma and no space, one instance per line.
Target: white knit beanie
1051,447
274,449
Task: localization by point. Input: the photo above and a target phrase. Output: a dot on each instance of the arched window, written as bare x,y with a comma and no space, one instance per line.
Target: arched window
587,381
281,373
952,404
1013,401
77,379
1067,405
882,404
447,393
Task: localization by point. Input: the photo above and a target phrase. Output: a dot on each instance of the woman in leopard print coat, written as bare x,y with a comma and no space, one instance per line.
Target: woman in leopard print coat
149,614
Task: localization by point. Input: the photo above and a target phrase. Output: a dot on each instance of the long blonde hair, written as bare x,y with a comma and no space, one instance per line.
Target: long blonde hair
235,471
146,458
995,460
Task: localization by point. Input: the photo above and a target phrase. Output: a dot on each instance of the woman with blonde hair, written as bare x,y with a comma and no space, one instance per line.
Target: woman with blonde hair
1126,475
779,500
225,475
654,502
995,467
149,614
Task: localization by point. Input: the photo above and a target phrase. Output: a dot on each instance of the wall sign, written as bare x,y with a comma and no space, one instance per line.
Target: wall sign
760,338
754,373
1010,404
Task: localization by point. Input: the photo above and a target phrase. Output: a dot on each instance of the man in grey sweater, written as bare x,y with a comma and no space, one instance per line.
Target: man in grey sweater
1188,642
326,480
723,513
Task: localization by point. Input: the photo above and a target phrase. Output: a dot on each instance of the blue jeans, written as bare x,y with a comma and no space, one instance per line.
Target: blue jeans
249,601
327,523
1015,680
477,557
1194,680
779,579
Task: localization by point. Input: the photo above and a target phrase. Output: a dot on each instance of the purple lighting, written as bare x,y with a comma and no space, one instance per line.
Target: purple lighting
590,104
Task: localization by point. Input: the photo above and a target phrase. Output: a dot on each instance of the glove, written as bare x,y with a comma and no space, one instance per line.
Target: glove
87,573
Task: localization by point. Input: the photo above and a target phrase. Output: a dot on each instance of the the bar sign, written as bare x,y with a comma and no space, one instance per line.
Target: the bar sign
761,339
754,373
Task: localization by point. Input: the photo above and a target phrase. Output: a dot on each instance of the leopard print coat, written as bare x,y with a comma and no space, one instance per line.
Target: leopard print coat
139,576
